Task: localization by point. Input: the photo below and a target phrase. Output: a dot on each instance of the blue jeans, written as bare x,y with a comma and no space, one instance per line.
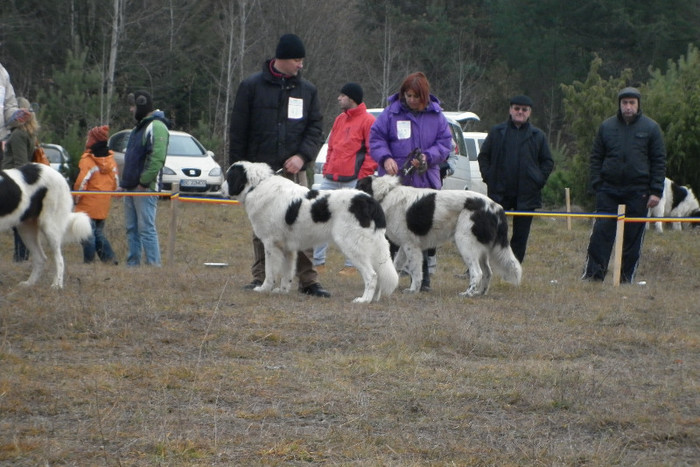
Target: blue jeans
98,243
320,250
140,216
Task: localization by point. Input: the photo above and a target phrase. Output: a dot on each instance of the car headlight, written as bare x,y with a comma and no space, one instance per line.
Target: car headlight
168,171
215,172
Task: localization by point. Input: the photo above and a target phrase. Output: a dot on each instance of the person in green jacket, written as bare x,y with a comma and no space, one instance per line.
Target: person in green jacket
144,159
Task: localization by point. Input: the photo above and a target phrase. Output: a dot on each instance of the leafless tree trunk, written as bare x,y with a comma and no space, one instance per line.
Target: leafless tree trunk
117,27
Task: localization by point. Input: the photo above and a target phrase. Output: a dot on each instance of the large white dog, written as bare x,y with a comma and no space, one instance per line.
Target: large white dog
36,199
677,201
288,217
421,218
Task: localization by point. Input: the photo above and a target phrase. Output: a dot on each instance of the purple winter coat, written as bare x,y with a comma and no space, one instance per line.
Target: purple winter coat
429,131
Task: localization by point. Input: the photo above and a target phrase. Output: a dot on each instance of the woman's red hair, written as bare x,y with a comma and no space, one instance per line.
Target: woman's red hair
418,83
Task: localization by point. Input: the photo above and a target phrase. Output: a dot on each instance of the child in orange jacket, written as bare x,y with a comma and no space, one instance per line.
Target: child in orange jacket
98,172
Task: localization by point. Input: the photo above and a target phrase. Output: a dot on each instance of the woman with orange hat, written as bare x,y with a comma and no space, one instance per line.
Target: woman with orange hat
98,172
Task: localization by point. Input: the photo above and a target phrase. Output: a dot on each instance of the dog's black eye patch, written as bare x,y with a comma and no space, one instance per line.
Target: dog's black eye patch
320,211
237,179
35,205
367,210
10,194
292,213
419,216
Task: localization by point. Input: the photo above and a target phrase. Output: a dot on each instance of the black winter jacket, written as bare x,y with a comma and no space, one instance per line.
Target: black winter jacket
535,165
264,129
629,156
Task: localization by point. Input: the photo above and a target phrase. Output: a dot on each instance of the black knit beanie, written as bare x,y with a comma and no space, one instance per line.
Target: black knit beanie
353,91
290,46
143,102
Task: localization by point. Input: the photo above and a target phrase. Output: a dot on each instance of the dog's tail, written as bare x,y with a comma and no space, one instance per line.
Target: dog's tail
504,262
78,228
387,277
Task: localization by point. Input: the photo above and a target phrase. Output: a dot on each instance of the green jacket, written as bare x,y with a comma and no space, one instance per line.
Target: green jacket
145,154
19,149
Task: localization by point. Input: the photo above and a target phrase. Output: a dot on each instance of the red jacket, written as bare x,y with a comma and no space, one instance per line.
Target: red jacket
348,155
96,174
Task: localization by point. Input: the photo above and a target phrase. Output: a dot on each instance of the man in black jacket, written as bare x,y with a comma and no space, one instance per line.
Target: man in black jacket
628,166
515,163
276,119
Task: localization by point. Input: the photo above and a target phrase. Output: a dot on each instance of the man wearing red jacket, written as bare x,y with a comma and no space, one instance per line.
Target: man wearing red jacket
348,157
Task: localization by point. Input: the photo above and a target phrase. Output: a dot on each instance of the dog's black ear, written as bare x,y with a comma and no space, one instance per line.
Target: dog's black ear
365,184
237,179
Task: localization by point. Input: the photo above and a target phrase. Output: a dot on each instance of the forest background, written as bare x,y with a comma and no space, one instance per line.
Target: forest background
76,60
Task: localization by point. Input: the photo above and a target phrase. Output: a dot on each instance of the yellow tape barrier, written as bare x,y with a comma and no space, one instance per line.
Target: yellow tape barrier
205,200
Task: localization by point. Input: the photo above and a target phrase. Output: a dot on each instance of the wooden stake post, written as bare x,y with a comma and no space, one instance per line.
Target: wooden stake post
568,207
619,239
173,225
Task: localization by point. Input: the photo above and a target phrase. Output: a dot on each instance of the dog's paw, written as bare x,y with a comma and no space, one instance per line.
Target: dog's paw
470,292
360,300
410,290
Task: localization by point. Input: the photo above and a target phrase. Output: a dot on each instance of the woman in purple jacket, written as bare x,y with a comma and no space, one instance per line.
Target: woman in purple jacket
412,120
411,138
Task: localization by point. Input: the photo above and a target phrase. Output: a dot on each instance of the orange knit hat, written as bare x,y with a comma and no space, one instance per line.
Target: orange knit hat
97,134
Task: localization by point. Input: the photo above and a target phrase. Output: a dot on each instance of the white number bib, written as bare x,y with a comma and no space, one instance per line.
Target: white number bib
295,108
403,129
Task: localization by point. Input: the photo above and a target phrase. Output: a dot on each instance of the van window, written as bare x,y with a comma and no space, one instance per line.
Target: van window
472,150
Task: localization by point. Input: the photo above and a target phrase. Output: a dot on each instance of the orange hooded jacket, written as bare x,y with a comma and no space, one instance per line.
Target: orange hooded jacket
96,174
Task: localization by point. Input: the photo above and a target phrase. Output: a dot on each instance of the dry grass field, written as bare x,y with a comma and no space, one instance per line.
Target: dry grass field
180,366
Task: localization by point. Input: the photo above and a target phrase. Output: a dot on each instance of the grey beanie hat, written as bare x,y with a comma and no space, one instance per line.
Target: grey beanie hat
629,92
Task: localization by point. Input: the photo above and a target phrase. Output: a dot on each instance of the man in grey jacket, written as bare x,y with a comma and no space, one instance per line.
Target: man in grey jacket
628,166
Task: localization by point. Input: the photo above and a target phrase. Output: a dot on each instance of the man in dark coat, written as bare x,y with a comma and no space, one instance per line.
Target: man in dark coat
515,163
628,166
276,119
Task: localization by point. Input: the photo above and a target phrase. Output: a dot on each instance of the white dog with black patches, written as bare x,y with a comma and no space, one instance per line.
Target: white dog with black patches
288,217
677,201
421,218
36,199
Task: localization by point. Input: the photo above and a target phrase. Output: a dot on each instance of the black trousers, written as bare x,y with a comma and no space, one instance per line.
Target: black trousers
521,229
604,229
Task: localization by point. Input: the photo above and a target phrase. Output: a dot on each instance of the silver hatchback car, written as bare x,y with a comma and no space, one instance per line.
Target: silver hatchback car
187,163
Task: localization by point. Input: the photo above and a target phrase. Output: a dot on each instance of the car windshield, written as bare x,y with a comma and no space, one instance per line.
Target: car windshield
53,154
118,141
179,145
182,145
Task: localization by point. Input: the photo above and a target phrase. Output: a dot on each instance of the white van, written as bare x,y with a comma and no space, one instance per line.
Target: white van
459,180
473,140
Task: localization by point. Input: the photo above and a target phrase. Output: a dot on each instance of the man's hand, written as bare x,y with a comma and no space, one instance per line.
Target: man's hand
294,164
653,201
